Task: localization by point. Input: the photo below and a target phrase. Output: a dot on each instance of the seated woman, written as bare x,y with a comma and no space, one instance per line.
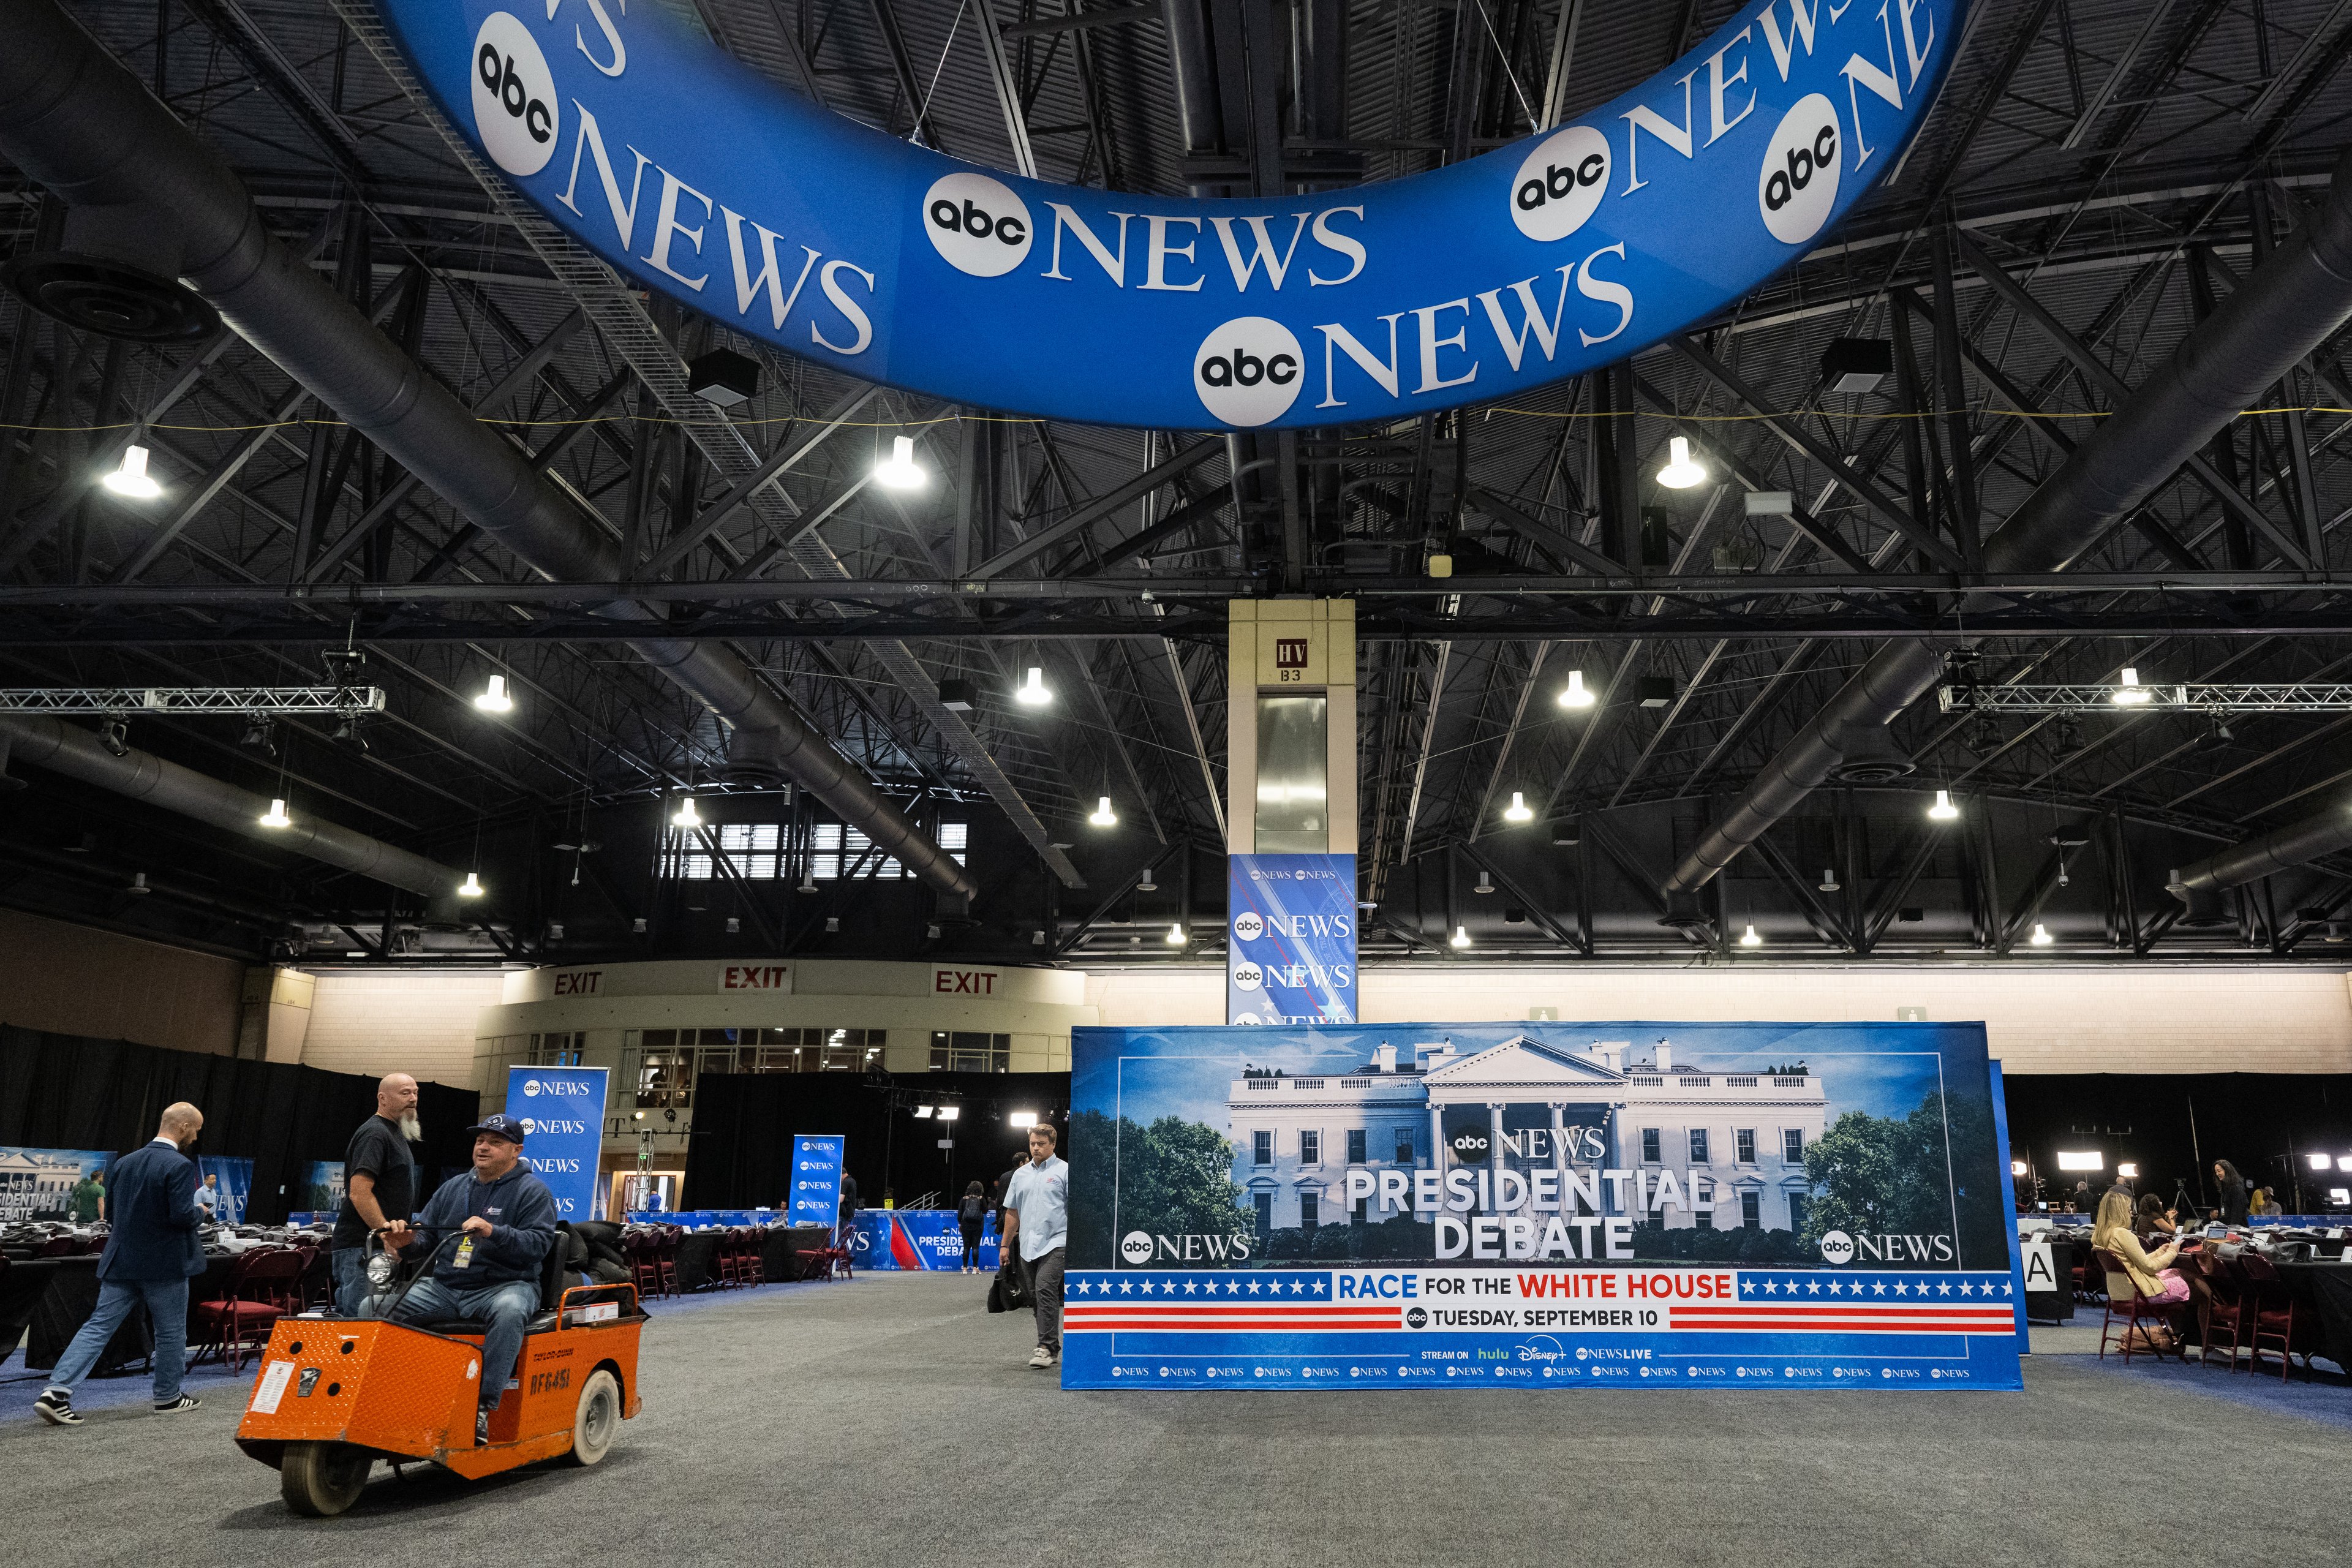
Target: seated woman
2151,1272
2155,1222
2263,1205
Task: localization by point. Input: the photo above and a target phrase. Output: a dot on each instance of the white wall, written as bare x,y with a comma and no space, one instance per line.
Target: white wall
2038,1018
419,1024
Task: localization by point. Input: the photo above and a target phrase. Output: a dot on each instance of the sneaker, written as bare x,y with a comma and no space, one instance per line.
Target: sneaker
1041,1357
57,1409
481,1428
185,1402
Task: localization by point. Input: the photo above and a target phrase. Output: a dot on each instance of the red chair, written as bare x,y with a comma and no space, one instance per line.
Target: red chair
2124,1299
2274,1319
59,1246
2223,1310
252,1299
644,1268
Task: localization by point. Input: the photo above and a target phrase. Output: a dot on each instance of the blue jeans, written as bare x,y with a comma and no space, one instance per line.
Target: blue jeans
348,1265
506,1308
167,1305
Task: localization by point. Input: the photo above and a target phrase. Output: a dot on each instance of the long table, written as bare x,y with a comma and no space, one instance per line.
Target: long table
2326,1290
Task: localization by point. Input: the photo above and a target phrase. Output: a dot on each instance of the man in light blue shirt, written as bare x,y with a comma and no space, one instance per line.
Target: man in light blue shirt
1037,1225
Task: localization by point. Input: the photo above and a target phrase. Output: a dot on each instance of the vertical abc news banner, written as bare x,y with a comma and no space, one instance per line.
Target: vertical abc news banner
563,1111
815,1197
1291,956
1557,1205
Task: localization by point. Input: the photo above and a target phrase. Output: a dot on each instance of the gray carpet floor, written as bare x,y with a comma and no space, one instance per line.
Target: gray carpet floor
891,1421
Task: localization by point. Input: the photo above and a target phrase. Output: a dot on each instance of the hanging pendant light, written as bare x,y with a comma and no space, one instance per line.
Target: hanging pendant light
1031,692
1103,815
899,471
1574,695
1680,473
1749,938
132,477
473,888
277,816
1829,880
1486,883
1460,939
494,697
1943,810
1176,937
2041,937
686,816
1519,811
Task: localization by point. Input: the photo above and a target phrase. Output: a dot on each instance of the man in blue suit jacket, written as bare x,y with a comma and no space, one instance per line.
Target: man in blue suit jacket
149,1255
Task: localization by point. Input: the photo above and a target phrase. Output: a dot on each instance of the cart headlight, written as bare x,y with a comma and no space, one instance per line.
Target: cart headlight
380,1269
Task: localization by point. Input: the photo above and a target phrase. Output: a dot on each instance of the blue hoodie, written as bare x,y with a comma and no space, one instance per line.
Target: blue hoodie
521,1213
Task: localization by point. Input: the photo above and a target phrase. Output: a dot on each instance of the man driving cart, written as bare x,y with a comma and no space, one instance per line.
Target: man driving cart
504,1220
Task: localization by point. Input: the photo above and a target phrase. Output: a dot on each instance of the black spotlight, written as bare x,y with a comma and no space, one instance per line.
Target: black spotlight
260,735
723,378
111,735
347,730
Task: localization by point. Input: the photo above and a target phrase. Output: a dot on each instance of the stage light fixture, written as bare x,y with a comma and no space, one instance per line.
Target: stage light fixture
115,736
472,888
2127,1171
1022,1119
275,817
2017,1167
899,471
1519,810
1574,695
922,1113
494,697
1749,938
2344,1162
2320,1161
1033,692
948,1112
1103,815
1680,473
132,479
2131,693
2080,1160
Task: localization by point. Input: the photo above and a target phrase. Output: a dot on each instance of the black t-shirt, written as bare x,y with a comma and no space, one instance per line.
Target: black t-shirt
377,1150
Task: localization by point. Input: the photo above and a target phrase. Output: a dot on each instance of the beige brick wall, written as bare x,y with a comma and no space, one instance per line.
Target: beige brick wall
2044,1020
422,1025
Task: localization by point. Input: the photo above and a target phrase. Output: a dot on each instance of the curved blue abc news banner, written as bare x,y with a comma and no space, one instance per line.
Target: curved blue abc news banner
684,170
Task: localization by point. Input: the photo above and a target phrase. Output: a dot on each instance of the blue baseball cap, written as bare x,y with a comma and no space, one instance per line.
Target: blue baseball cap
511,1128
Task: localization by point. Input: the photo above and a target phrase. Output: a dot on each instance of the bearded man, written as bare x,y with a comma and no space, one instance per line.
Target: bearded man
379,1188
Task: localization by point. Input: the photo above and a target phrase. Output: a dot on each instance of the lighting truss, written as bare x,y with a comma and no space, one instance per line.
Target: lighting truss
122,701
2213,698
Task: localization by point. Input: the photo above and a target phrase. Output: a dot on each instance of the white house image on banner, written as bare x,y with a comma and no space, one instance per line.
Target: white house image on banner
34,1183
1743,1134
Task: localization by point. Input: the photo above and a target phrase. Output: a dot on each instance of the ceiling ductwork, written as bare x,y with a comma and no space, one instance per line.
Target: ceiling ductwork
2287,309
139,775
73,119
2296,844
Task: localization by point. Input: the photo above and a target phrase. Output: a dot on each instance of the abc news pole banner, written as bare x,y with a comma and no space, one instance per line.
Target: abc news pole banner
815,1197
563,1109
1539,1205
1566,250
1291,958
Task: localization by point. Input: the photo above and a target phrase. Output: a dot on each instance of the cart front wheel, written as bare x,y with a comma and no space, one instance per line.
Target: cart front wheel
322,1479
597,1418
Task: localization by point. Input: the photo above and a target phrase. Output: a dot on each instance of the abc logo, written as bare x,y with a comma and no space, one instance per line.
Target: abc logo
1560,184
1248,371
1470,1146
515,110
977,225
531,1088
1247,1019
1249,928
1837,1246
1135,1247
528,1126
1248,978
1799,183
1416,1317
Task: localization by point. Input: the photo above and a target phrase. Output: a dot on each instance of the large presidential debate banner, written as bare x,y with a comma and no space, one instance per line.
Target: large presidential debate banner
1538,1204
562,1112
39,1184
1573,248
